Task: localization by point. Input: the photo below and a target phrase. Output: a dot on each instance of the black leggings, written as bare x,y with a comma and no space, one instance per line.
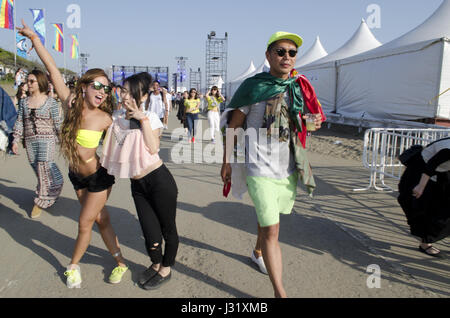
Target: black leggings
155,197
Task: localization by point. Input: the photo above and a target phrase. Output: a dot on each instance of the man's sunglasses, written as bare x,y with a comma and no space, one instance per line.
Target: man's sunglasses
282,52
98,86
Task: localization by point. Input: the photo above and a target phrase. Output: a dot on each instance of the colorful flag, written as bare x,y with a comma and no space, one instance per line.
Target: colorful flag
59,37
7,14
39,23
75,45
21,45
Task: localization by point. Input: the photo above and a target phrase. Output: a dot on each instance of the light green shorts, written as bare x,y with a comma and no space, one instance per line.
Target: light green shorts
272,197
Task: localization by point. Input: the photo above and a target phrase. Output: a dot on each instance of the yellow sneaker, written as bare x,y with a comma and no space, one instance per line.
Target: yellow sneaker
36,212
117,274
73,277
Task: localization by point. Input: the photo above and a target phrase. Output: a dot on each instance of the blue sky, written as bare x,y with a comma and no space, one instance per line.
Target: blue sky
153,33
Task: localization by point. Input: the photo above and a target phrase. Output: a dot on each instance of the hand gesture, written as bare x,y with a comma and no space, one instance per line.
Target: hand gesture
25,30
133,110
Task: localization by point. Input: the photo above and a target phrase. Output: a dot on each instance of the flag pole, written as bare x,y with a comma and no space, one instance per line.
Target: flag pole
64,49
45,27
78,57
15,32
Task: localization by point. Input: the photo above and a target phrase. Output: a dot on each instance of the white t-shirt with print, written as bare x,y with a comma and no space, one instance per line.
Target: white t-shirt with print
265,157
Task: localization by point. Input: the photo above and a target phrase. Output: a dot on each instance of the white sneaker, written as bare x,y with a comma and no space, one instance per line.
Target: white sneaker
260,262
73,276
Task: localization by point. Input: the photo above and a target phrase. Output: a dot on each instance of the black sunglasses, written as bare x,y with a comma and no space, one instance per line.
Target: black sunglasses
98,86
282,52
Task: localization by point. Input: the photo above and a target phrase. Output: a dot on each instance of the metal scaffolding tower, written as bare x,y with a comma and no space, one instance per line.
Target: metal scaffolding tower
181,70
83,60
216,61
195,79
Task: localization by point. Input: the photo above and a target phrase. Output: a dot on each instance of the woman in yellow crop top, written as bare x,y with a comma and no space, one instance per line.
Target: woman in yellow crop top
192,108
214,98
87,115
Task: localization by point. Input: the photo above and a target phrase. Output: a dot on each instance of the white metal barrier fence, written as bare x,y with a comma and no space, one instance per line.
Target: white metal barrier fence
382,146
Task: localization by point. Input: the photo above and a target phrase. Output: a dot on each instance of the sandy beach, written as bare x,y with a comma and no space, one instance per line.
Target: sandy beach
331,243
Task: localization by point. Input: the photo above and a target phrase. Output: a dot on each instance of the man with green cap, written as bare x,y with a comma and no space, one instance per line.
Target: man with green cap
274,105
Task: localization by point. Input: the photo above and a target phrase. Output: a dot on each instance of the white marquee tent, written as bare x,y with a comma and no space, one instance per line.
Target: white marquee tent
251,68
313,54
234,84
264,67
400,80
323,73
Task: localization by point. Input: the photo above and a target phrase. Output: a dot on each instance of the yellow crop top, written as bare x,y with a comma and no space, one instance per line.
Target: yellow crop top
89,138
214,102
191,104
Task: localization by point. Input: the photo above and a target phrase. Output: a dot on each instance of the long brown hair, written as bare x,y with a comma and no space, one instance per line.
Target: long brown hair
73,117
196,93
216,95
41,79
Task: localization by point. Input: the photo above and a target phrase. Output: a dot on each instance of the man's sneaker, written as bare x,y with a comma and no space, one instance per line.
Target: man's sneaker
73,276
260,262
117,274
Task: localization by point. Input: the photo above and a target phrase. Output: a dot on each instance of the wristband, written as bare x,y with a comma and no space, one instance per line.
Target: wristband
143,119
33,37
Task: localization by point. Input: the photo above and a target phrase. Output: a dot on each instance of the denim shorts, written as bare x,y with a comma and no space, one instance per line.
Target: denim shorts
97,182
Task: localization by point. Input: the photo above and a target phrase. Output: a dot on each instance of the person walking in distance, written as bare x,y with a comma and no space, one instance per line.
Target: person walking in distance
273,107
214,98
158,101
192,108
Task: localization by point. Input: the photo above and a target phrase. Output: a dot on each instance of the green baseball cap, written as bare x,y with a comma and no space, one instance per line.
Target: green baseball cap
281,35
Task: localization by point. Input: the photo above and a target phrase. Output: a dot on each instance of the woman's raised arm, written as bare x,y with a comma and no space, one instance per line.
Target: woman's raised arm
55,75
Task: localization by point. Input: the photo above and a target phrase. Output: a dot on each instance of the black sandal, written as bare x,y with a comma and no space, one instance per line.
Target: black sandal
425,251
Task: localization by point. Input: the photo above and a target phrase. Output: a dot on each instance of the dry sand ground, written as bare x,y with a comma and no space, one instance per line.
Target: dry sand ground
328,242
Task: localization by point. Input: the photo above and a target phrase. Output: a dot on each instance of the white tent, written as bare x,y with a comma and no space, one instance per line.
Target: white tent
264,67
251,68
401,79
323,74
313,54
234,84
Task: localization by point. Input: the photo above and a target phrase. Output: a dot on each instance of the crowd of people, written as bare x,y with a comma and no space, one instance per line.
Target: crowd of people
129,118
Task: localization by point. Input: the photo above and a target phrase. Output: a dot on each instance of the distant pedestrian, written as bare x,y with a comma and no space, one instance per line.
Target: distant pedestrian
158,101
22,92
192,109
8,116
214,98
